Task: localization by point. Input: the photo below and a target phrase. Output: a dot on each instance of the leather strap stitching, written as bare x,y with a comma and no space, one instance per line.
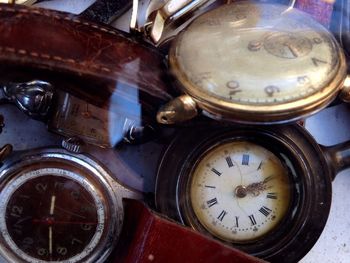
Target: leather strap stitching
61,17
60,59
53,58
67,18
50,14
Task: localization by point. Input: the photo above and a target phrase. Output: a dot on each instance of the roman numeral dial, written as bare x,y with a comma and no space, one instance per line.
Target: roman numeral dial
212,202
240,191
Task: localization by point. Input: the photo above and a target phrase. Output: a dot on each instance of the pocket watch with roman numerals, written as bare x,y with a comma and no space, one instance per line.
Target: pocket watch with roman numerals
255,63
251,180
266,191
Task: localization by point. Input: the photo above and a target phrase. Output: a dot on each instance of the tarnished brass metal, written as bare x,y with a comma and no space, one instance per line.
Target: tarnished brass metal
178,110
171,10
257,63
345,92
156,18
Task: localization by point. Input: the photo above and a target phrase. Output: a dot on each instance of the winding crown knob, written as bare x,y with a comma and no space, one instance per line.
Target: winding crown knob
73,144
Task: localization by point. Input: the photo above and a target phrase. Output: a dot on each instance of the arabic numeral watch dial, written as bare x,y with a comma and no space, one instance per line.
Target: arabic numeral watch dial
57,207
254,63
266,191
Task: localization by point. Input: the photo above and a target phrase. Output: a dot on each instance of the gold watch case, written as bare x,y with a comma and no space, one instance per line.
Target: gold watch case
254,63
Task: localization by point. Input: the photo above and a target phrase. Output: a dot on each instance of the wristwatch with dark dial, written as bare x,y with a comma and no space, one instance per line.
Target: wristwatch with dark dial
57,206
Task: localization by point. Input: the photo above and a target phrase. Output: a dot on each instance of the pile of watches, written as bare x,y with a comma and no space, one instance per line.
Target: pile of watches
238,166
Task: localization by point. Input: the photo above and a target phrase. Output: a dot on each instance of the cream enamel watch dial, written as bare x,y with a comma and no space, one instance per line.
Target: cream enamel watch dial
263,190
240,191
256,63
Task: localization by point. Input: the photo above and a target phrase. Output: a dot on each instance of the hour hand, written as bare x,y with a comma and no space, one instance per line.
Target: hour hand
256,188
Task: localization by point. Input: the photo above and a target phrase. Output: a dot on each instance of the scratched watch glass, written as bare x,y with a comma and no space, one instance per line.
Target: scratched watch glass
257,63
240,191
52,214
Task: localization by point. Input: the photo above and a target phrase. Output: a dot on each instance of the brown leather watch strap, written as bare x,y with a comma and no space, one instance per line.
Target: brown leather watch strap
49,44
147,237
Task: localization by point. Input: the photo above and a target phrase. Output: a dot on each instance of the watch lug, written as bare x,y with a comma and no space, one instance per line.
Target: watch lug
5,151
171,8
157,27
155,20
180,109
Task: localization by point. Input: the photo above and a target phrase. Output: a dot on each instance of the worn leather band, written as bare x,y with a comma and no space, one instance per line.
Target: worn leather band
78,55
147,237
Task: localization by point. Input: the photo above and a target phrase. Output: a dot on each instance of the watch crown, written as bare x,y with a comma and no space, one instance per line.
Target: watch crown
180,109
73,144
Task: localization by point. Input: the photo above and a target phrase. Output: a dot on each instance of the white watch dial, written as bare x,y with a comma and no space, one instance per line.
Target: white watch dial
240,191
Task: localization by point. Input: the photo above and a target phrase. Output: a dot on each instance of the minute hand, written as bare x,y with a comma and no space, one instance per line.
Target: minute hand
256,188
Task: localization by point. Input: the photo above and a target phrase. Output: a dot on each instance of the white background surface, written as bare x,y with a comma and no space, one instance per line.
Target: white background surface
329,127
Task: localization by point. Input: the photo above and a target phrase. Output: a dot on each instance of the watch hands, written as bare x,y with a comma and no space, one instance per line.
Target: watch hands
291,49
52,205
69,212
52,210
239,206
50,240
257,188
50,222
88,114
240,173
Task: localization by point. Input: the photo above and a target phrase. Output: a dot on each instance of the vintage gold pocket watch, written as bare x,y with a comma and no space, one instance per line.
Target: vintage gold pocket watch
266,191
254,63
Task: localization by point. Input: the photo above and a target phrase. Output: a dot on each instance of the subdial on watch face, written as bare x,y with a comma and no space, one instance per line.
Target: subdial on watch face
287,45
52,214
240,191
